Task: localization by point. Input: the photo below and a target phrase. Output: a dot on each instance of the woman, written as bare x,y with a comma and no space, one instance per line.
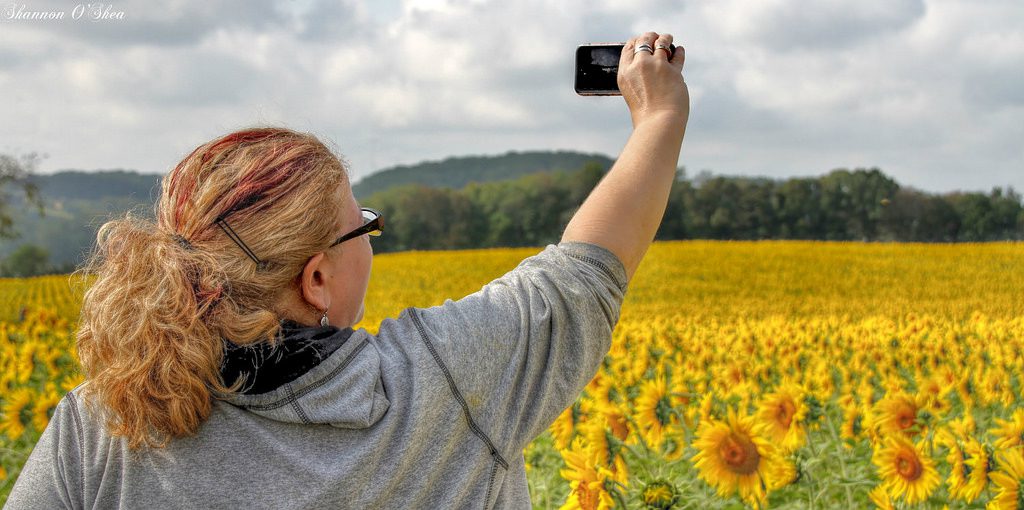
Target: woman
221,364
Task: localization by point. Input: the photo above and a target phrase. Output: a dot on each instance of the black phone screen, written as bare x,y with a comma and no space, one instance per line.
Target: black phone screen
597,68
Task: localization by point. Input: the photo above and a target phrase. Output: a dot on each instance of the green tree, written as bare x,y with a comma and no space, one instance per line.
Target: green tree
1006,207
27,260
16,173
987,217
915,216
798,209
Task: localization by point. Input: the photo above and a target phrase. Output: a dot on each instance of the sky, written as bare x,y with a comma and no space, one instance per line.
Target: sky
929,91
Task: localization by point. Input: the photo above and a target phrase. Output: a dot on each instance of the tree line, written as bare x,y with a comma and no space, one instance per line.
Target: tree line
843,205
533,210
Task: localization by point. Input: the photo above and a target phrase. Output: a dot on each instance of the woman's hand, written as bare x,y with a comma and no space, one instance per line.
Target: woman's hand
652,84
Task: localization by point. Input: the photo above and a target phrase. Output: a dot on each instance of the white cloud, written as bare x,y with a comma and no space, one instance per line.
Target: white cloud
788,24
930,91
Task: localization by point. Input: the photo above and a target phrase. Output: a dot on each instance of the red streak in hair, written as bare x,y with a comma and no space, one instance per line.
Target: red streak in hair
258,182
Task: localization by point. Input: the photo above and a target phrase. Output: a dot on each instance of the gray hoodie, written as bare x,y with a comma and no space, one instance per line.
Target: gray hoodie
432,412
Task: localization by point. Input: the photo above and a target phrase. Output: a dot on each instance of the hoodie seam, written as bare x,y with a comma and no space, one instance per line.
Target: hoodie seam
602,266
296,406
455,391
81,435
490,483
293,395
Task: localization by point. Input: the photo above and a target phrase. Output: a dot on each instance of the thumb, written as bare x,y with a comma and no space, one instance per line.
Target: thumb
678,58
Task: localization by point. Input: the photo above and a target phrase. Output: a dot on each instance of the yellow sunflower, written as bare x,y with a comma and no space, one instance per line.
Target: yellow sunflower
1009,433
659,495
897,414
733,457
707,403
994,387
607,447
71,381
853,424
964,426
1008,480
563,429
25,363
881,498
959,472
905,470
781,416
655,414
977,460
43,409
17,413
932,394
586,478
604,389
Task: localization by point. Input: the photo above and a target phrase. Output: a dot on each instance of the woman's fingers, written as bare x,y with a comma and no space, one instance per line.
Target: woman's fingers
678,58
663,43
629,52
646,40
649,38
650,81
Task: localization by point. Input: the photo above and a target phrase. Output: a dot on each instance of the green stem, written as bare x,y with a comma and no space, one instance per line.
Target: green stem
640,458
617,495
814,453
842,463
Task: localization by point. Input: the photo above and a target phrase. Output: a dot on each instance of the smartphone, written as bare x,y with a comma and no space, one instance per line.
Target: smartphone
597,68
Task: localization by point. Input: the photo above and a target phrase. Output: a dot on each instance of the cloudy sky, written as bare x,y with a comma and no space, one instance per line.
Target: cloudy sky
930,91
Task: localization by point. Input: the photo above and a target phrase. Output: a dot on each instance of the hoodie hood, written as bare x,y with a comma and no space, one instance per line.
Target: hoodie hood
320,375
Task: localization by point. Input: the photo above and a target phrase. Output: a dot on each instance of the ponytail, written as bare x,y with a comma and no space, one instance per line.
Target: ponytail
168,294
146,350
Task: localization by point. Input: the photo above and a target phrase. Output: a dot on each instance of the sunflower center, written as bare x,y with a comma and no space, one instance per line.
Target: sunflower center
619,426
908,467
785,413
906,418
663,411
25,415
586,498
740,454
613,394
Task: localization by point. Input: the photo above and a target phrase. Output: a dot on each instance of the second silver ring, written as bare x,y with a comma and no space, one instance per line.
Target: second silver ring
644,47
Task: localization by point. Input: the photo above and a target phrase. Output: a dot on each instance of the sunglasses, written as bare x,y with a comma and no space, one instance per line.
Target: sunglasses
374,225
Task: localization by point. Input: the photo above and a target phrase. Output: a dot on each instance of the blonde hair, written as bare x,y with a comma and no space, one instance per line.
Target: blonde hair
166,293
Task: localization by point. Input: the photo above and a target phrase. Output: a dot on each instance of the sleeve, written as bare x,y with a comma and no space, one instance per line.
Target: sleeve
521,349
52,475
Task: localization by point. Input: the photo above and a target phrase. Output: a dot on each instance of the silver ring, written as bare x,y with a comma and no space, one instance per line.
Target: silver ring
663,47
644,47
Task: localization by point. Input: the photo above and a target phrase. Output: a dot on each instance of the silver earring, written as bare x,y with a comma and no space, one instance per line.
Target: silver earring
323,320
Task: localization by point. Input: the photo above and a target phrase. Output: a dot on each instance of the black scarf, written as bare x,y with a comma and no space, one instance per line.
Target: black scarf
265,368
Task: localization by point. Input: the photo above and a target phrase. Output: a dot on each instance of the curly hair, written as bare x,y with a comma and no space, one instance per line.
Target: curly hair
166,294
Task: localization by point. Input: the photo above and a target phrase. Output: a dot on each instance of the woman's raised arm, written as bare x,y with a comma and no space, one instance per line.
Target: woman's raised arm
623,212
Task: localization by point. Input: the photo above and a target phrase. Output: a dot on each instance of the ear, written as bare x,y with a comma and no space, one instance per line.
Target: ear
313,285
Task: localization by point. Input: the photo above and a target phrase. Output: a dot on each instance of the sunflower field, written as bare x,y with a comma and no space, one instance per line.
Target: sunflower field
741,374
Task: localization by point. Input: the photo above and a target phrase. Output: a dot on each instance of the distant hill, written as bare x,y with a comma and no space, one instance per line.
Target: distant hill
456,172
78,203
97,185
